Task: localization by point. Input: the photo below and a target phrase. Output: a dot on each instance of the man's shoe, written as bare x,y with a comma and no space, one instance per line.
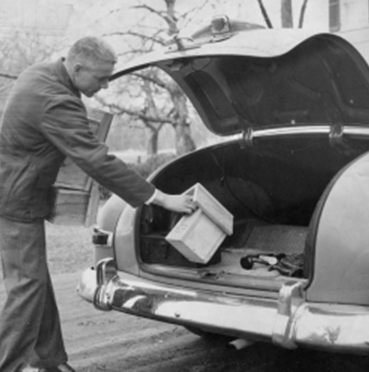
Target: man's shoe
61,368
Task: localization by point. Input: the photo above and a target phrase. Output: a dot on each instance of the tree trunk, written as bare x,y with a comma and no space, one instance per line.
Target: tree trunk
286,13
171,19
184,141
152,128
152,141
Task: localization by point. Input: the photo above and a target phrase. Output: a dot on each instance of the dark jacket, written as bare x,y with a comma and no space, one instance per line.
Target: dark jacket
44,121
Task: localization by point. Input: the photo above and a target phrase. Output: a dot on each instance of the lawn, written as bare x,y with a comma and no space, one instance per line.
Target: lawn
69,248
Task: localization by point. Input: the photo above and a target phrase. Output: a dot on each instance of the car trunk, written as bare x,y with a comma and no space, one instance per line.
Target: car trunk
301,117
272,188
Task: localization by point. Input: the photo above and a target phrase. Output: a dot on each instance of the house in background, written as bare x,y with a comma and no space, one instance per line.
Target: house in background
350,19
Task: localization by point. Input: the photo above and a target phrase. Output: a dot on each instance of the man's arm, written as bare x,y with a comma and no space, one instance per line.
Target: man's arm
177,203
66,126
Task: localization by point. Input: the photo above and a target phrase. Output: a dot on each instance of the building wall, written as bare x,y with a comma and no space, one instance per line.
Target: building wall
354,24
354,14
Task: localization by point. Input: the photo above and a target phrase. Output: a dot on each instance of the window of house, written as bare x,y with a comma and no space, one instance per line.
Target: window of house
334,15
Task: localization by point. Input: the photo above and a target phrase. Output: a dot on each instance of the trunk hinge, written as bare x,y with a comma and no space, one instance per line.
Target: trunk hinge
336,135
246,139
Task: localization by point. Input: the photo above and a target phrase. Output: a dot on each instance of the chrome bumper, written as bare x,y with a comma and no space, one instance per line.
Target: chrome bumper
288,322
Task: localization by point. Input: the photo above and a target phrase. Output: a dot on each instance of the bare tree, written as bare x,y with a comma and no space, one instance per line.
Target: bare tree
164,102
184,142
286,14
151,98
20,49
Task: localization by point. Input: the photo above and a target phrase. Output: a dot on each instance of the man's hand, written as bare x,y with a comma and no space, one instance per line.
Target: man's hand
176,203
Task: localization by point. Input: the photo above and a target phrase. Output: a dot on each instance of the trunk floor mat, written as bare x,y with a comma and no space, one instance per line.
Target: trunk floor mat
277,238
263,239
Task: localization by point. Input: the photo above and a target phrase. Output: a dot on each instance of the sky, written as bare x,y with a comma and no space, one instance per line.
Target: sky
77,16
68,20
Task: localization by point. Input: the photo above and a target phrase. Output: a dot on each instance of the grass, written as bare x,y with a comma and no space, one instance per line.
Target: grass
69,248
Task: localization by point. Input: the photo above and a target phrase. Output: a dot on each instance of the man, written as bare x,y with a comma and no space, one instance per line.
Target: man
44,122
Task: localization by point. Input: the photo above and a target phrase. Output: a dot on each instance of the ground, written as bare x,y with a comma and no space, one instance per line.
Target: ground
99,341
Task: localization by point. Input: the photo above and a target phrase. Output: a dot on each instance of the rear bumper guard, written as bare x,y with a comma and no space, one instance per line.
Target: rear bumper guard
288,322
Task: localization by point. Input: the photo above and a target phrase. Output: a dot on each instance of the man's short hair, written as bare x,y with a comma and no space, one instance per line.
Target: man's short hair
91,51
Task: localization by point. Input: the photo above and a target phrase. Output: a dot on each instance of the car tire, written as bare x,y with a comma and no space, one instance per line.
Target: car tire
208,336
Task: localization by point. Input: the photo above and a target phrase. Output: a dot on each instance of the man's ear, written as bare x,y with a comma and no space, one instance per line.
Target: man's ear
77,67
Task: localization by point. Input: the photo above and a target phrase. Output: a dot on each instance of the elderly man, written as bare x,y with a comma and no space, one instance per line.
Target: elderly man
44,122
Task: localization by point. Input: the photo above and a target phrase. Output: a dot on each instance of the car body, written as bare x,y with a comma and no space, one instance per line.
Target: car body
294,174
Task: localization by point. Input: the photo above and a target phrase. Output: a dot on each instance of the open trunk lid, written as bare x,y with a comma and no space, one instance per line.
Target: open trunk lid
270,77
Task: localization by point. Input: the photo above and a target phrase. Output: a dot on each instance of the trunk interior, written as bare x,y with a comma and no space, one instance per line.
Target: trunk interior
272,189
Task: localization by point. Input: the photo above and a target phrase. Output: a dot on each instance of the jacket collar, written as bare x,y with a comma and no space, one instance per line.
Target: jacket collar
64,77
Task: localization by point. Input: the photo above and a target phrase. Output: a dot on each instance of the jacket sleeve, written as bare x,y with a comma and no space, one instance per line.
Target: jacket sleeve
65,124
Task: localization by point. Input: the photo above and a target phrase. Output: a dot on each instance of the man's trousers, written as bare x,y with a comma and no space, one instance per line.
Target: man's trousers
30,332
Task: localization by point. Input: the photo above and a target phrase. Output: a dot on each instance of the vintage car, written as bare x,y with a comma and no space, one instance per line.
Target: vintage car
293,175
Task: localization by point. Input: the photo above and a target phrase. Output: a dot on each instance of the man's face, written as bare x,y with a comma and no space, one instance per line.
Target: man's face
90,79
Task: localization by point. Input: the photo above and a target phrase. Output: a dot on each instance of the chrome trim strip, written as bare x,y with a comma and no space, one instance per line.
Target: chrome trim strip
332,327
291,131
302,130
288,322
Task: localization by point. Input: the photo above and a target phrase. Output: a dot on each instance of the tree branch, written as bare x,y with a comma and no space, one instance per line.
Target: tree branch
118,110
137,34
154,80
8,76
265,14
302,13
